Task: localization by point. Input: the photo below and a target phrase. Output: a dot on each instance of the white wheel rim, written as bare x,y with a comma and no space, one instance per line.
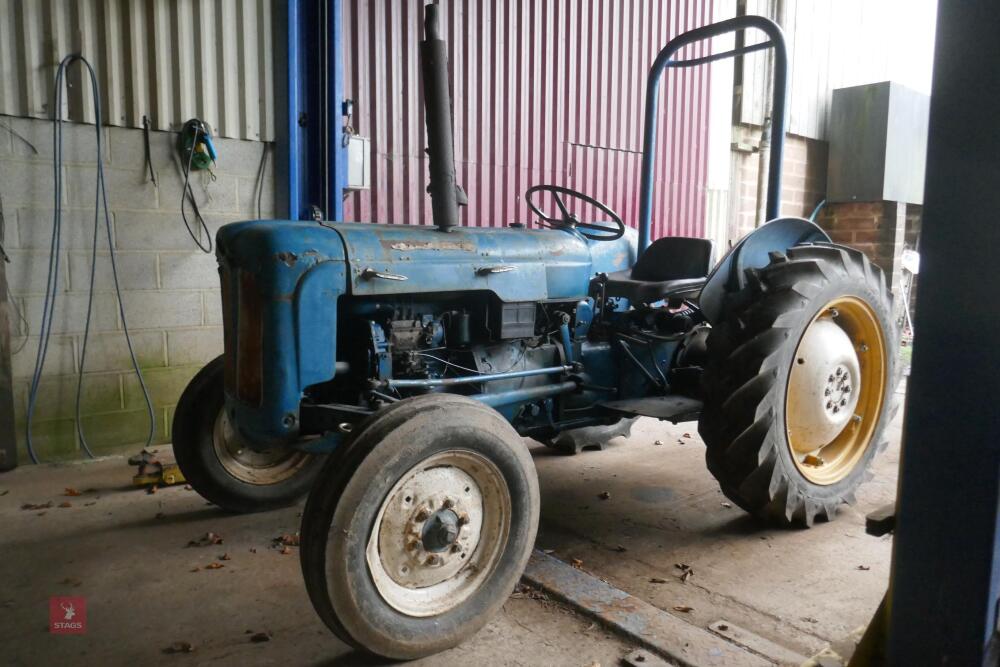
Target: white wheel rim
459,490
263,468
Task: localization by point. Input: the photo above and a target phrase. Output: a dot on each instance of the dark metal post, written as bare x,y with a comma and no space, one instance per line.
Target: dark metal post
445,192
8,439
776,40
946,554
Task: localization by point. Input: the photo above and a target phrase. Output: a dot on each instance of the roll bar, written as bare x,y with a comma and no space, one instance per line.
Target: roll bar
776,40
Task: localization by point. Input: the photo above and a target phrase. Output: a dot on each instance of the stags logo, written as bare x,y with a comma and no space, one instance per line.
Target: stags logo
67,615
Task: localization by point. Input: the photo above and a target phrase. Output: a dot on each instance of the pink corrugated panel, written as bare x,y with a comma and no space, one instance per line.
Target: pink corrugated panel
544,91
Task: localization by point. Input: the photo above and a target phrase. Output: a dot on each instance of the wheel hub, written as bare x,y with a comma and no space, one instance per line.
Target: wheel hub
264,467
435,527
440,531
836,390
821,385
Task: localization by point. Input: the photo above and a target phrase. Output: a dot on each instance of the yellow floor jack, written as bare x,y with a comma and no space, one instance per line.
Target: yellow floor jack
152,471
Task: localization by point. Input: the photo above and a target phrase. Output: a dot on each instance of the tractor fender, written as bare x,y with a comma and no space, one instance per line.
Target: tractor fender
753,252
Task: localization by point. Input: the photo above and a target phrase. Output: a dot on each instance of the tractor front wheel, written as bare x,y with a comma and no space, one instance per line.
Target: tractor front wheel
420,526
222,468
798,384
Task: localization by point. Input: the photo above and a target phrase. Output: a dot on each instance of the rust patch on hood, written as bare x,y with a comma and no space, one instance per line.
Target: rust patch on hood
289,258
431,245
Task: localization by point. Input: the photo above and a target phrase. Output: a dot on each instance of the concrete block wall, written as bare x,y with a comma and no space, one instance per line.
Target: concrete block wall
170,289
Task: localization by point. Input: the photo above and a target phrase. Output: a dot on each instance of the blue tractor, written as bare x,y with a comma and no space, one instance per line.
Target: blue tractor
394,370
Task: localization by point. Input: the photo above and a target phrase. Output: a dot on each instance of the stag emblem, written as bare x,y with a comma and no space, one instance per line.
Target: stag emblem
69,610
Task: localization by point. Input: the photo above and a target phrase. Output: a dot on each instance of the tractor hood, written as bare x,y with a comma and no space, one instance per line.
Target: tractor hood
515,264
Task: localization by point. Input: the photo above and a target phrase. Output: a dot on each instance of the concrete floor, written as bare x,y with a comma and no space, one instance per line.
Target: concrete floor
125,551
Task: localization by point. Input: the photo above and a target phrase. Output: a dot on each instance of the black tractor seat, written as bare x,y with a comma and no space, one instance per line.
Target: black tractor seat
673,267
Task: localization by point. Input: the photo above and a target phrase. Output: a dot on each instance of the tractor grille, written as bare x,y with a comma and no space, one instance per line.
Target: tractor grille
242,320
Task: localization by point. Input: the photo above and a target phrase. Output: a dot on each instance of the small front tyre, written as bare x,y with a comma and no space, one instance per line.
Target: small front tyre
799,382
220,467
419,528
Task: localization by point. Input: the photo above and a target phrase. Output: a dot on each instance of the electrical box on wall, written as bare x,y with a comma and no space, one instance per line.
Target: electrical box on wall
878,144
358,163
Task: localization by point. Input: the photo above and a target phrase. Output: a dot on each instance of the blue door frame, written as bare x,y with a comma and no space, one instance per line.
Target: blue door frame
313,137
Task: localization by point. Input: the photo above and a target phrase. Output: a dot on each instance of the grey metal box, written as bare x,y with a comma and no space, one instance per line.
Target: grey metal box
878,144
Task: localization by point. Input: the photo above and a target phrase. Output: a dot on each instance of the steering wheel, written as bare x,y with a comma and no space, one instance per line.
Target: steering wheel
591,230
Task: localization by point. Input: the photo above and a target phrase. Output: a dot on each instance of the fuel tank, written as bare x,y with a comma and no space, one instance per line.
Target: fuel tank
281,281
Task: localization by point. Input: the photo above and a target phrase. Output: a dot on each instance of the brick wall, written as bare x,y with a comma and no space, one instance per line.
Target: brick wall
803,181
170,288
881,230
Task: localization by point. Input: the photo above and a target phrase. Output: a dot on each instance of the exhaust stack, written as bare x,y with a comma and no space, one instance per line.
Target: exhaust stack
446,194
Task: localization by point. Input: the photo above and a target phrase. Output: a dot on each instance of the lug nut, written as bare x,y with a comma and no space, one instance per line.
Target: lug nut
826,392
412,544
843,402
829,404
836,408
847,389
830,379
840,371
432,560
455,548
422,514
448,503
463,519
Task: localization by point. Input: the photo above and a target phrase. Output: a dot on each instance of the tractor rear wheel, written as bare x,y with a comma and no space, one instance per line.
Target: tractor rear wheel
799,383
219,466
420,526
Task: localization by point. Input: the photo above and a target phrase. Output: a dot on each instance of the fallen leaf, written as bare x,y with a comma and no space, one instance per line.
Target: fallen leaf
206,540
864,567
679,441
70,491
683,608
179,647
214,566
657,580
686,435
577,563
658,442
686,571
36,506
810,619
71,581
225,557
65,503
287,540
620,549
604,495
259,637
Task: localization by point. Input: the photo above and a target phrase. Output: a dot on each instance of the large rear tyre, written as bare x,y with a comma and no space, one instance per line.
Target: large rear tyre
219,466
420,526
798,384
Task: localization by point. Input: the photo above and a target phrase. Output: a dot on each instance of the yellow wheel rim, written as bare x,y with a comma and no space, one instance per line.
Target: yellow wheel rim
836,390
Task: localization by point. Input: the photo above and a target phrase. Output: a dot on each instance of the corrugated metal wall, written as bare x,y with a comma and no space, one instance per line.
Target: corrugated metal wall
837,43
543,92
168,59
